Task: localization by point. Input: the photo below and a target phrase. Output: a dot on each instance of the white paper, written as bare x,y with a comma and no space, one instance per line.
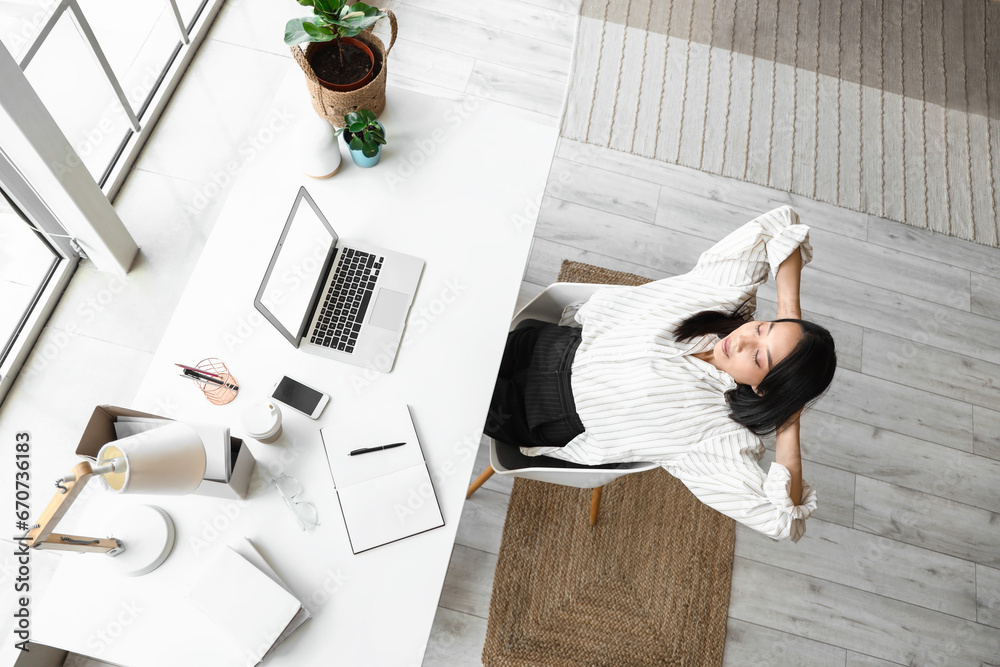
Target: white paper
246,604
391,507
371,427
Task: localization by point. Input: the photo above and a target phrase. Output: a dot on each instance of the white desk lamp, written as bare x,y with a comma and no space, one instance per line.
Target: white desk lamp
168,460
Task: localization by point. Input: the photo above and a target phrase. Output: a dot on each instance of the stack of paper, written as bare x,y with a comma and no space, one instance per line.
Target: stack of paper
247,600
385,495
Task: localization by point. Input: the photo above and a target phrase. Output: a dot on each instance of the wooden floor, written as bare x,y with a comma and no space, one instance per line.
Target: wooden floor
900,563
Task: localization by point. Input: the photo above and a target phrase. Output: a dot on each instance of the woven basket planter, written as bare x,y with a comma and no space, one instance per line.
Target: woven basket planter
332,104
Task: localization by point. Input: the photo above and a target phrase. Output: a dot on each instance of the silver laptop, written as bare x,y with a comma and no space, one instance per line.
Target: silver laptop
340,301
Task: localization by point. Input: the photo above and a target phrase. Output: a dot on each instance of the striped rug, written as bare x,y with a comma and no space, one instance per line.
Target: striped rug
889,107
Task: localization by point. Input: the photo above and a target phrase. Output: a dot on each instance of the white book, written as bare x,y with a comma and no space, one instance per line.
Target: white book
384,495
244,547
251,609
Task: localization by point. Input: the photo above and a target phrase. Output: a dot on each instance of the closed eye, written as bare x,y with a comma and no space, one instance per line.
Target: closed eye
756,351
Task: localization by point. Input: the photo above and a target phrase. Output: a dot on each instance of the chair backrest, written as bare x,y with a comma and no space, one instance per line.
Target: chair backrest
507,459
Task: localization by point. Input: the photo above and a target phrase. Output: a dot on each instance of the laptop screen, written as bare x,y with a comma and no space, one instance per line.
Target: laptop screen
298,268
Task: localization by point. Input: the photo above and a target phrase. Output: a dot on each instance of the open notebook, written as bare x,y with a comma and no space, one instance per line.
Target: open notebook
384,495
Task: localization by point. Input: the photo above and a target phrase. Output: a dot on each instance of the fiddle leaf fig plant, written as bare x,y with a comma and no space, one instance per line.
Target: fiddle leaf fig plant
332,20
366,133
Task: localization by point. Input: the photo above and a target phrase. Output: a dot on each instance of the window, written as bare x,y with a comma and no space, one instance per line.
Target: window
101,66
27,262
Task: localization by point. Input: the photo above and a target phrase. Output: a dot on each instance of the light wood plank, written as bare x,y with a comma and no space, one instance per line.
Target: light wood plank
752,644
899,408
988,595
546,258
483,42
618,236
986,428
544,24
469,583
901,315
899,459
986,295
603,190
517,88
420,62
456,639
928,521
939,247
860,660
932,369
482,520
857,620
871,563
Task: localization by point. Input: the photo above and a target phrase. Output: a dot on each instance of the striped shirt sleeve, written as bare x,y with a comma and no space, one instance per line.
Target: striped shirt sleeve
721,474
750,253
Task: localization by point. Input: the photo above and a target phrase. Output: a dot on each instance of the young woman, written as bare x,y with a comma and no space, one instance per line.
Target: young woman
676,372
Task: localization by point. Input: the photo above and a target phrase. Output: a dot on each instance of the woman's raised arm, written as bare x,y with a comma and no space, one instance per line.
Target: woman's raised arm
787,284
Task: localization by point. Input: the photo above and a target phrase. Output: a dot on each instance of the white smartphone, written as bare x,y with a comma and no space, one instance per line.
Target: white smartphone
298,396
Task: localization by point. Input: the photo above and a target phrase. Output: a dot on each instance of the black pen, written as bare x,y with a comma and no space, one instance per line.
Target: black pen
365,450
206,378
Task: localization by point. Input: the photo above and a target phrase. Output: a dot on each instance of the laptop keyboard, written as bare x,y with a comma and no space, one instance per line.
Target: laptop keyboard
346,302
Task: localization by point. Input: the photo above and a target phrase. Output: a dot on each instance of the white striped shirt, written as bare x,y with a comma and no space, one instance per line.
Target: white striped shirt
642,396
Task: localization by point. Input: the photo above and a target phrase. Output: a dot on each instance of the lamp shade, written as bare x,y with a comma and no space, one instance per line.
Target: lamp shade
169,460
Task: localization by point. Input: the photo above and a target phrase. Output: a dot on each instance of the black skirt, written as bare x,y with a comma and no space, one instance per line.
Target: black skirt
532,402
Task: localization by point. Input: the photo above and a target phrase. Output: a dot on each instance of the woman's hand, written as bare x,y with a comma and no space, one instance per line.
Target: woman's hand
786,452
787,283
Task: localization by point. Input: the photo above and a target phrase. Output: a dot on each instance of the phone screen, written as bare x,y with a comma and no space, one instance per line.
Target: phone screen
297,395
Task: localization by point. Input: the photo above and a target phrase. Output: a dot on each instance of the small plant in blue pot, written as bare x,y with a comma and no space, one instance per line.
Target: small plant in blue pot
365,136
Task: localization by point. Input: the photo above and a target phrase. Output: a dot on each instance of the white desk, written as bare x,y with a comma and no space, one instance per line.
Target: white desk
465,200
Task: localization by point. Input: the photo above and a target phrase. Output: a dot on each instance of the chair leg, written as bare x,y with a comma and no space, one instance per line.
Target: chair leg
595,504
485,475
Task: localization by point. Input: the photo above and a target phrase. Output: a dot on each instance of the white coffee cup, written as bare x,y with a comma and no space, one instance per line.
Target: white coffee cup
262,421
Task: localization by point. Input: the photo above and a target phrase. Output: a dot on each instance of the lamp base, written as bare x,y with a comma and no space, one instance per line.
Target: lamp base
148,534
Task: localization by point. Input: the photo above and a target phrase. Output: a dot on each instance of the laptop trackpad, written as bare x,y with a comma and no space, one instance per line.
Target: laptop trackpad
390,309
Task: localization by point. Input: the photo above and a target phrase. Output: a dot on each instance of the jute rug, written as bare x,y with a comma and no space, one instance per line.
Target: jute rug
889,107
648,585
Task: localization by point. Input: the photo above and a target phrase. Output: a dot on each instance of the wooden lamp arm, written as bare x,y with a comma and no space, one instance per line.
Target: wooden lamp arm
41,535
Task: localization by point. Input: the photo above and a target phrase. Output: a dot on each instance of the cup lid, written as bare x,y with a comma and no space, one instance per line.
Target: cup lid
261,418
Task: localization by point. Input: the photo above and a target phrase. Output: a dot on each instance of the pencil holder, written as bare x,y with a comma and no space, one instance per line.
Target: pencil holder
218,394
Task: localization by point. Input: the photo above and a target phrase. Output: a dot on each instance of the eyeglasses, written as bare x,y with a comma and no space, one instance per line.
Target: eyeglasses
289,489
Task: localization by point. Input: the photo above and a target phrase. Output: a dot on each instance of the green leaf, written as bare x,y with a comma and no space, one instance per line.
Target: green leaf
351,117
379,139
318,33
356,128
356,144
295,33
370,152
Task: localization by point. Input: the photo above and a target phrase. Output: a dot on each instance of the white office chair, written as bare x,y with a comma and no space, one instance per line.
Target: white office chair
507,459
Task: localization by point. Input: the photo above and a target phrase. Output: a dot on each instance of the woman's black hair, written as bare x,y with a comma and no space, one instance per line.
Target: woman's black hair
796,380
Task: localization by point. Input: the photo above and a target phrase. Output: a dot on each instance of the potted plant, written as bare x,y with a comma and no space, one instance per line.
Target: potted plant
344,63
365,136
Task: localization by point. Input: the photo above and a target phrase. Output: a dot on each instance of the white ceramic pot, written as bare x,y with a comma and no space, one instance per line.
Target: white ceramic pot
319,150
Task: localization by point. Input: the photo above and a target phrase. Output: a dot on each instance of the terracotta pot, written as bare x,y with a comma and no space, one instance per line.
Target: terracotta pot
344,87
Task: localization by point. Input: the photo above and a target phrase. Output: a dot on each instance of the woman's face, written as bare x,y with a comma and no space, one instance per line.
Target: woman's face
748,353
